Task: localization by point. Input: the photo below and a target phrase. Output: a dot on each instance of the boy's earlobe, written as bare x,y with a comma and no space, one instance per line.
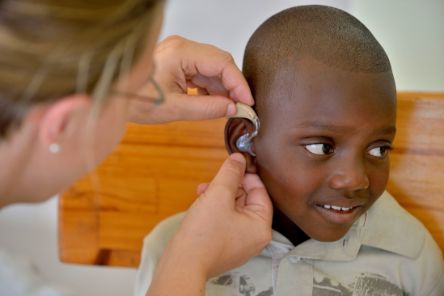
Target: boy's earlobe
236,140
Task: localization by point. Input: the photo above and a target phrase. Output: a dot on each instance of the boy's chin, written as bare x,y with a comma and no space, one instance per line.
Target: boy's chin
329,236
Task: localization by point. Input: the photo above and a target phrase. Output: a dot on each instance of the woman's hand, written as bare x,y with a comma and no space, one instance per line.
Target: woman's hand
230,221
182,63
228,224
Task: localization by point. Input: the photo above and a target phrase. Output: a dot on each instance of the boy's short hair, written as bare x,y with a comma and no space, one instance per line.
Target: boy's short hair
326,34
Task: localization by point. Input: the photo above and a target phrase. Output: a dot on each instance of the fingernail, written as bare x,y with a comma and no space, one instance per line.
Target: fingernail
237,157
231,109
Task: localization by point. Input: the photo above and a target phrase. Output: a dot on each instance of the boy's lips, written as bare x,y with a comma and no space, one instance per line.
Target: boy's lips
339,213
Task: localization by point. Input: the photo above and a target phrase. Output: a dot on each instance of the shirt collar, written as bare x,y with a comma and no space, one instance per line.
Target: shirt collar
391,228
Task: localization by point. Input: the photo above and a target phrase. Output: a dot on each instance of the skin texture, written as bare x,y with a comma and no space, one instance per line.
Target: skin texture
202,66
324,140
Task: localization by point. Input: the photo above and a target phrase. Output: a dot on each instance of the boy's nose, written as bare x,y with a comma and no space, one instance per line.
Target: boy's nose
349,175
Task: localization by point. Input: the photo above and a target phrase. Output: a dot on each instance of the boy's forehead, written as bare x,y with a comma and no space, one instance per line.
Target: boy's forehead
309,86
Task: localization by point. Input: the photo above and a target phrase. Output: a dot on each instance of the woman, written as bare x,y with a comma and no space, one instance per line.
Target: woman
74,72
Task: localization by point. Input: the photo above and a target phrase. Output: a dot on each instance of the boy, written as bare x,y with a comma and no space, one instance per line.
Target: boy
326,99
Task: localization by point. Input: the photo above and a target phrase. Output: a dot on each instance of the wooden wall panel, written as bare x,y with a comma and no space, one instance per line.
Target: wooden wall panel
417,162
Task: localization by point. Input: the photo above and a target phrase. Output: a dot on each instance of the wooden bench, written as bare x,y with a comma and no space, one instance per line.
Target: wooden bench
154,172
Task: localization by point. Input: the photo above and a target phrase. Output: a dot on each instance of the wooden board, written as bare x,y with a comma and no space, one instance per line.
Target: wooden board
154,172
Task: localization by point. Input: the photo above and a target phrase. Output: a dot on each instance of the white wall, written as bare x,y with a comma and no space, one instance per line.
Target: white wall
30,231
227,23
411,32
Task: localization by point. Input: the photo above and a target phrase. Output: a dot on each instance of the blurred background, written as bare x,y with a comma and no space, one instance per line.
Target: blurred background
411,31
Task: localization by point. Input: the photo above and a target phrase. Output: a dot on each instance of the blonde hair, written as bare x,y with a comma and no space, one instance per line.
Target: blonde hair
53,48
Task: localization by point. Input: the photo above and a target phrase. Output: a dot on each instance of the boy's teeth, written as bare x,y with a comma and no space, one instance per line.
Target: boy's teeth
336,208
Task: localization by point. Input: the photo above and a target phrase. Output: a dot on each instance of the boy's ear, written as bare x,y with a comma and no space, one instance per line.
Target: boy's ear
234,129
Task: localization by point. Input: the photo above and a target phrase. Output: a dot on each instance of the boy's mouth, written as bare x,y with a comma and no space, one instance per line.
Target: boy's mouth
338,214
337,208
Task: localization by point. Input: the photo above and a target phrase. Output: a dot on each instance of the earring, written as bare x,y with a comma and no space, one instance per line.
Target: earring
54,148
244,144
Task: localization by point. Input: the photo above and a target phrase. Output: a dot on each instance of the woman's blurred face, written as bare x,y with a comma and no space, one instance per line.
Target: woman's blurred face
87,139
137,85
108,129
86,133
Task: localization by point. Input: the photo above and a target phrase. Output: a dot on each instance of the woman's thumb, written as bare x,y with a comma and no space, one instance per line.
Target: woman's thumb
229,177
258,199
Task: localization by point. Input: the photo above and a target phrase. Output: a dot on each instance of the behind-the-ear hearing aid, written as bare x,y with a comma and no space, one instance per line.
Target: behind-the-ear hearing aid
244,143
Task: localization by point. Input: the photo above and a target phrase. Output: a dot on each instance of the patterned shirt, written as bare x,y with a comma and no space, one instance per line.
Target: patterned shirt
386,252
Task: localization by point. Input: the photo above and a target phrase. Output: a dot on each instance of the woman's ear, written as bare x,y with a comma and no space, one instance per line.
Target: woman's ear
58,116
234,129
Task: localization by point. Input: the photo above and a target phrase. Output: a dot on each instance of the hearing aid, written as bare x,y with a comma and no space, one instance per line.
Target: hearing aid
244,143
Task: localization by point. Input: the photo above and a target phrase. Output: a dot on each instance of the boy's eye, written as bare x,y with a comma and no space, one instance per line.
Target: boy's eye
380,152
319,149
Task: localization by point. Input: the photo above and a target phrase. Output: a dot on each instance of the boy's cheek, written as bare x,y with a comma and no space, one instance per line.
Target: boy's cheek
378,181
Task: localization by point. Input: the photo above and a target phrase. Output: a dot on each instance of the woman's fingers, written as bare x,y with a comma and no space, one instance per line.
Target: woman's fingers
257,200
201,188
195,59
226,183
229,222
182,63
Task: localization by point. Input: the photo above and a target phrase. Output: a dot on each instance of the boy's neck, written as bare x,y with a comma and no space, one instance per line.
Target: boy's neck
286,227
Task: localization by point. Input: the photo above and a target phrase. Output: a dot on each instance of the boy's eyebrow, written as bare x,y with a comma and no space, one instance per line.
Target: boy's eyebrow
341,128
388,130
